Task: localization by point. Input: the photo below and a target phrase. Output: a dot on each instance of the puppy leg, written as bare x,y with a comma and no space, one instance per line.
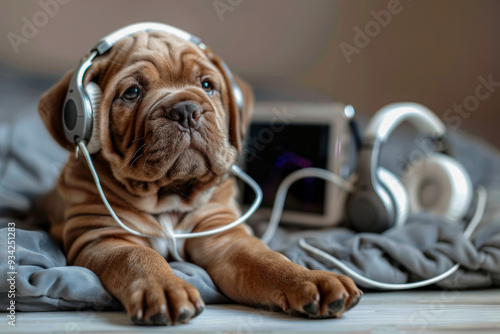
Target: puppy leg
247,271
143,281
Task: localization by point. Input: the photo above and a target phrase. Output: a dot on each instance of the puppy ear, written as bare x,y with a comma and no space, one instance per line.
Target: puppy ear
50,108
238,119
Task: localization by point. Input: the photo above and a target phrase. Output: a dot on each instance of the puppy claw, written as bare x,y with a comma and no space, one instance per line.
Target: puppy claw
137,318
138,321
159,319
199,308
183,316
311,308
336,305
354,302
139,314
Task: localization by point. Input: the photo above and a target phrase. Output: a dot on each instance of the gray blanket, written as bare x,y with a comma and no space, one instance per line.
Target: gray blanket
30,161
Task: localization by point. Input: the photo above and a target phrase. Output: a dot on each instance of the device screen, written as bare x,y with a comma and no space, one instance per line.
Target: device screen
271,155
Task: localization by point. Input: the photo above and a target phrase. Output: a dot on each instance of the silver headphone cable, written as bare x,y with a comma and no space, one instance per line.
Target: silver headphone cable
476,219
279,201
86,155
336,179
234,169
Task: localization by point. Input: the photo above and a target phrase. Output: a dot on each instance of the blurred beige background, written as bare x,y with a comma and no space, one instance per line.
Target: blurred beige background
431,52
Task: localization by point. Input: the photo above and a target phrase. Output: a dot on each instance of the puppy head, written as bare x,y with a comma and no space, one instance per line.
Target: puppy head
167,119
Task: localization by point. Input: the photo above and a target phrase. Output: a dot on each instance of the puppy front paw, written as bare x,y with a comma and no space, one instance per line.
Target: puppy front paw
170,301
319,294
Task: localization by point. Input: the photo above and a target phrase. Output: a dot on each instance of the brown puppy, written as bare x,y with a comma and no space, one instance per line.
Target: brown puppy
170,131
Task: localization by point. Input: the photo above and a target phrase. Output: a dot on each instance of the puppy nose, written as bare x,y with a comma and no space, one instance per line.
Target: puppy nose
186,113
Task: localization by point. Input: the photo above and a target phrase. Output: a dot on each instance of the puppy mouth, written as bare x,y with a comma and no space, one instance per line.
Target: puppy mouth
184,156
191,162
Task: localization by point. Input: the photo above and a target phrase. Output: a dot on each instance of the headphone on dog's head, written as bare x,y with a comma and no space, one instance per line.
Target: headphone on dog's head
81,104
436,183
79,118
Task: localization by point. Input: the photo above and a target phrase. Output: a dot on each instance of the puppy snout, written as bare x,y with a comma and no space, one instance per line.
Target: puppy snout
187,114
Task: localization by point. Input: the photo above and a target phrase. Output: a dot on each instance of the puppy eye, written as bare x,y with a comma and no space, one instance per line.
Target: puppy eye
207,87
131,94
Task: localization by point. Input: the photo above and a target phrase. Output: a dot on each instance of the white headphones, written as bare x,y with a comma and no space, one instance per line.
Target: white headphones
436,183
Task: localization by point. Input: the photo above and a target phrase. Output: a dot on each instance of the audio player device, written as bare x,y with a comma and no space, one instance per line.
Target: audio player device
287,136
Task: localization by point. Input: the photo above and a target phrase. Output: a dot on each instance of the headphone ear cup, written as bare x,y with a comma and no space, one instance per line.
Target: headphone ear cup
441,185
94,93
397,193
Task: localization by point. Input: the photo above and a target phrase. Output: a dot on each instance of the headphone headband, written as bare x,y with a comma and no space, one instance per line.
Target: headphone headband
77,112
108,41
389,117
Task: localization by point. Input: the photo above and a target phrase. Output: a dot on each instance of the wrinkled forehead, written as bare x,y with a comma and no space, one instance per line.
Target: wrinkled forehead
157,56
